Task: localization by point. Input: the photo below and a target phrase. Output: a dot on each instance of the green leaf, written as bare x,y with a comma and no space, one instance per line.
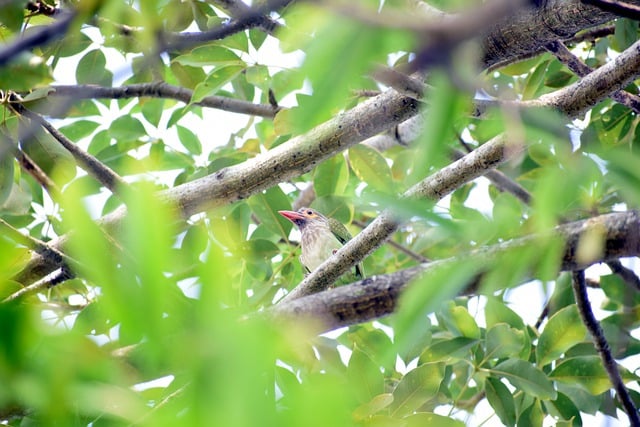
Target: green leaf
365,376
126,128
214,81
25,72
78,129
563,331
524,376
209,55
586,371
531,416
416,388
6,175
258,75
52,158
266,205
448,350
331,177
369,165
189,140
427,293
504,341
460,321
92,69
496,311
373,406
564,408
12,14
501,400
535,81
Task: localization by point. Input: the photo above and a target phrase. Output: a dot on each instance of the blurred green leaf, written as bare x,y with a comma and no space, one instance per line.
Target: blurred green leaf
369,165
416,387
24,73
92,69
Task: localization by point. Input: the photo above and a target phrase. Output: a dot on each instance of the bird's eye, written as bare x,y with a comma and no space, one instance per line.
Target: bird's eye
309,212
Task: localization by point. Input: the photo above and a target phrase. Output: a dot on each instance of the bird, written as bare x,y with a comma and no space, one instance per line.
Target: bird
321,238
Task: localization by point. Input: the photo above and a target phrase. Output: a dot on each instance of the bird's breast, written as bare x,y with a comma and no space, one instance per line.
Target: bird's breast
317,247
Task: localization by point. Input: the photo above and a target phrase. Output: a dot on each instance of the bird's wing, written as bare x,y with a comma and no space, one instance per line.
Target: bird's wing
339,230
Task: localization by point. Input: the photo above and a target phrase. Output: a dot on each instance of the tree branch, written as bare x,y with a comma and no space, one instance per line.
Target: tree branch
532,29
163,90
602,346
38,37
378,295
620,8
576,65
254,17
613,76
434,187
101,172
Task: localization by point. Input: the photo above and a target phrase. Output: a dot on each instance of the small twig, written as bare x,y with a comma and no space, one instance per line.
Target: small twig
602,346
499,179
254,17
401,82
46,282
37,245
543,315
628,275
164,90
619,8
94,167
416,256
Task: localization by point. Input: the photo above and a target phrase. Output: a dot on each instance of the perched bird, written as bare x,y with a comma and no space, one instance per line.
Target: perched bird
321,237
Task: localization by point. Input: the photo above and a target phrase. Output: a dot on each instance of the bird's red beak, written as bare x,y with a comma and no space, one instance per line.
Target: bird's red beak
292,215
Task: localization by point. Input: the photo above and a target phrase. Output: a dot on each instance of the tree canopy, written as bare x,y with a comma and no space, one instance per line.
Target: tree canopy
480,153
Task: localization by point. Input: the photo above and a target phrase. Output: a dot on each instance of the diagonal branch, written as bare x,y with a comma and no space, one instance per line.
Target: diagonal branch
94,167
602,346
377,296
581,69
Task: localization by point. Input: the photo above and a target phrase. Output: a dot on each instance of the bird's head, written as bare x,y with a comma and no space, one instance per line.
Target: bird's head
304,217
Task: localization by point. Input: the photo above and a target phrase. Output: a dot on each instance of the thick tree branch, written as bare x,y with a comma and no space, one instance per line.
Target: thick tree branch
377,296
620,8
602,346
163,90
532,29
